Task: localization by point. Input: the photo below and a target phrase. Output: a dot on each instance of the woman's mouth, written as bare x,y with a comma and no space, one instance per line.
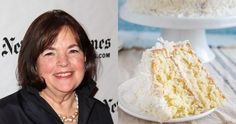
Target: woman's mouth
63,74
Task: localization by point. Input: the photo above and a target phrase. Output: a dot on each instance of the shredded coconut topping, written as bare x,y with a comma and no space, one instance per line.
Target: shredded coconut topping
180,8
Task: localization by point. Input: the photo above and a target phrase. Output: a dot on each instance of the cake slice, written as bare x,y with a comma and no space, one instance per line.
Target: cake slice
173,83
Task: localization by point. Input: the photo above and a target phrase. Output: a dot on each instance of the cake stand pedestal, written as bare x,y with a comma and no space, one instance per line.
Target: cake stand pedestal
183,28
195,36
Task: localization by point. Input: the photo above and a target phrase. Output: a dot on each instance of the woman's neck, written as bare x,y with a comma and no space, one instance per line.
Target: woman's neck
63,104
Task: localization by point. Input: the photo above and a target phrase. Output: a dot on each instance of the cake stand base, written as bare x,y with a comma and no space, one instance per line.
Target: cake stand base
197,37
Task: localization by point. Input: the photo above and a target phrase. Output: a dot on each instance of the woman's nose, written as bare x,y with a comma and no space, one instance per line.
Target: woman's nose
62,60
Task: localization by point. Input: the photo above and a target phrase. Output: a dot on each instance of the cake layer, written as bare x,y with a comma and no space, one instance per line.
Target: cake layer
169,81
202,84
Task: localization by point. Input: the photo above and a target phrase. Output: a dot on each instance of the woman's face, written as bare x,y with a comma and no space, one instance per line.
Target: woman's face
62,64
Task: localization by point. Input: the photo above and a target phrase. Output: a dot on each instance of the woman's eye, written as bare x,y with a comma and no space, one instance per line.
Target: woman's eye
48,54
74,51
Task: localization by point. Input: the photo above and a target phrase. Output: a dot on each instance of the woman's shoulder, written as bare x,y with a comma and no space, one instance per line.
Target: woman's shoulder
101,108
100,104
13,100
9,105
9,100
100,113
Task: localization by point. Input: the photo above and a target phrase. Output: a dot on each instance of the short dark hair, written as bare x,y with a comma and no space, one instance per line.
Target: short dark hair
40,35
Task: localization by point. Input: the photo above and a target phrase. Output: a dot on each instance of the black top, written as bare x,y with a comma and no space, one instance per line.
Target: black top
26,106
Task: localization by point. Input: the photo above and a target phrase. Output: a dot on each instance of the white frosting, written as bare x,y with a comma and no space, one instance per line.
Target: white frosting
182,7
142,96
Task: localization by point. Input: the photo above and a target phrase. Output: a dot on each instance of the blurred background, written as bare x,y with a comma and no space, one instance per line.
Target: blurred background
135,35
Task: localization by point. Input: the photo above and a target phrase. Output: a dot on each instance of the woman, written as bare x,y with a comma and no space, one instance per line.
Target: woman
56,68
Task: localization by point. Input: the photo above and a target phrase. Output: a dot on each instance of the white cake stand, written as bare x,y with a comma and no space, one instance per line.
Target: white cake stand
183,28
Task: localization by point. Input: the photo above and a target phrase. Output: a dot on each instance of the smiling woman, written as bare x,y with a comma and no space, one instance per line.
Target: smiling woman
62,64
56,67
